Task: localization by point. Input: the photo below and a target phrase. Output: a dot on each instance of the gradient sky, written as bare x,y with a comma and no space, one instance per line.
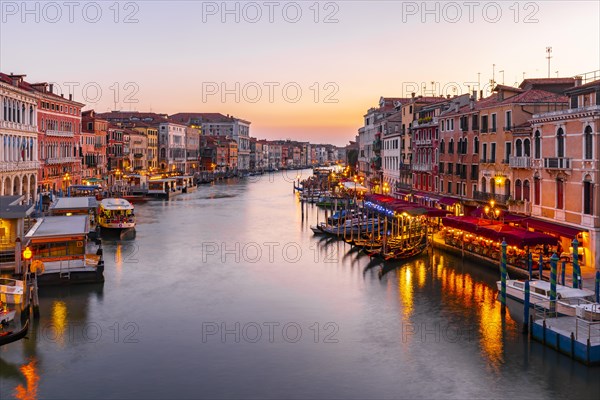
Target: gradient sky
178,53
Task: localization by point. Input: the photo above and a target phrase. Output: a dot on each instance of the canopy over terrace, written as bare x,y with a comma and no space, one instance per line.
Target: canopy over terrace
349,185
498,231
390,205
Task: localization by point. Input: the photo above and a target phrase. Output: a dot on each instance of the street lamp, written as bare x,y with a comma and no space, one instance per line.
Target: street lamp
491,211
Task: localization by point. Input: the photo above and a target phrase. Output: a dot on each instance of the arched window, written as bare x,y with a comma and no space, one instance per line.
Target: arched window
526,190
442,146
465,146
588,142
483,185
518,190
526,148
538,145
476,145
31,121
507,187
560,143
518,148
588,195
451,147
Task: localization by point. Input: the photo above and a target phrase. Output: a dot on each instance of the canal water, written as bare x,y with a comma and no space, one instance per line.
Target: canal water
226,293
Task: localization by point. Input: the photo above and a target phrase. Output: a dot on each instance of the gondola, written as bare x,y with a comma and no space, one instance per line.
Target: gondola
10,337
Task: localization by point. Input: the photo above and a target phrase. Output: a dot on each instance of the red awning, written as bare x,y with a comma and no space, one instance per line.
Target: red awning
448,201
551,227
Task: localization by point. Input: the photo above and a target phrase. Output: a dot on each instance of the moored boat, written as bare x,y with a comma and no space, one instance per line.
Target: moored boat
11,291
10,336
116,214
569,301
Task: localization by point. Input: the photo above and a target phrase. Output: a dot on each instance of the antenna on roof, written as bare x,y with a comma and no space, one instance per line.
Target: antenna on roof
549,56
502,72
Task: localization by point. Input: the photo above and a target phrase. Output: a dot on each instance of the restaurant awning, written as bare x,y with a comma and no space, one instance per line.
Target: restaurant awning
448,201
552,228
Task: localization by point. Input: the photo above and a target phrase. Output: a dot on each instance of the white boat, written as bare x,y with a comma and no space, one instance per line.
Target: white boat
569,301
116,213
6,315
11,291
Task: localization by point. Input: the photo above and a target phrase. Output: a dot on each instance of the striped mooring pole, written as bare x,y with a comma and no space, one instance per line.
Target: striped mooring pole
563,272
576,271
530,264
597,287
553,266
526,307
503,275
541,267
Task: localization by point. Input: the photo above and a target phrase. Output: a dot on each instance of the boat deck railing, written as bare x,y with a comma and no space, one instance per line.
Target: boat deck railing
585,325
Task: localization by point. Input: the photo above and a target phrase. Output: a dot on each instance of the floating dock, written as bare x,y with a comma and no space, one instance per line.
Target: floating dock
577,337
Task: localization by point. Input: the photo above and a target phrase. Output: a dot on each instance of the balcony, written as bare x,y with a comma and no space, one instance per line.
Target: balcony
403,186
485,196
557,163
520,162
422,167
8,166
18,126
51,132
62,160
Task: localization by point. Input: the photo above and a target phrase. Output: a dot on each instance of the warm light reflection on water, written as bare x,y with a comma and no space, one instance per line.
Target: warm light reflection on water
59,321
474,301
405,290
30,392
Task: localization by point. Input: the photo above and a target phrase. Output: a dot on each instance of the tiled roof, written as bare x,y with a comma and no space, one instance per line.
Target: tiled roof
546,81
588,85
203,117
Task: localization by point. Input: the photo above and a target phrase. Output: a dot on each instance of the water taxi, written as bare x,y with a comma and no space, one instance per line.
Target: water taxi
116,214
569,301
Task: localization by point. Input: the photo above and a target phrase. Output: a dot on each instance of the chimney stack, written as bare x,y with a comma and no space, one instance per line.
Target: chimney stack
474,95
578,80
52,88
71,96
481,94
413,94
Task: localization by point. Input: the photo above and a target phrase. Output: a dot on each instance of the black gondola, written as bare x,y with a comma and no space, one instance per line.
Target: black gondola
13,337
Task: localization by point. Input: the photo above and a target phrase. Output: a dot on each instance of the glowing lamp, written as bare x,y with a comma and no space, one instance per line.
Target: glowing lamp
27,253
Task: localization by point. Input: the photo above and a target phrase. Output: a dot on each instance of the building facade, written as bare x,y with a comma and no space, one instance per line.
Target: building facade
18,138
566,168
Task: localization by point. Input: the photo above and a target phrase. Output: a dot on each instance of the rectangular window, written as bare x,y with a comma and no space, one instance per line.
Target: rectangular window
474,122
484,155
484,123
493,122
474,172
560,194
493,153
449,187
507,152
508,120
450,168
588,198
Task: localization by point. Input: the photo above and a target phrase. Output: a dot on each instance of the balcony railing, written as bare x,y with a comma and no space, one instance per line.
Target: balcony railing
485,196
62,160
422,167
18,126
557,163
51,132
8,166
520,162
403,186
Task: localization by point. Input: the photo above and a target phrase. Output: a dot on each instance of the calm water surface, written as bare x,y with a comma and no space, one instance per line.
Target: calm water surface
225,293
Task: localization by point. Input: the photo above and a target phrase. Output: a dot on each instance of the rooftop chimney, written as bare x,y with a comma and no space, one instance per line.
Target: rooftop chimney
474,95
481,94
578,80
413,94
71,96
52,88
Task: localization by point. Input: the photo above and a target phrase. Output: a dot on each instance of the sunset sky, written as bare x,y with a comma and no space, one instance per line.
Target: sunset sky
178,56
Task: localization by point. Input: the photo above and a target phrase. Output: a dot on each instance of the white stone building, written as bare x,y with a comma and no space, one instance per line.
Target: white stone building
18,138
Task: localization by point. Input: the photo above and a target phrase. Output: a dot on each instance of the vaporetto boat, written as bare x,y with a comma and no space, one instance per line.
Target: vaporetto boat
116,213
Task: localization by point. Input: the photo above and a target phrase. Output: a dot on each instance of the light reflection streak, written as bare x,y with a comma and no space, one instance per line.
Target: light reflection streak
30,392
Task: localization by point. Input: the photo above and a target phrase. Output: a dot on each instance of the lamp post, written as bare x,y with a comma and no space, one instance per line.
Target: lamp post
491,211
